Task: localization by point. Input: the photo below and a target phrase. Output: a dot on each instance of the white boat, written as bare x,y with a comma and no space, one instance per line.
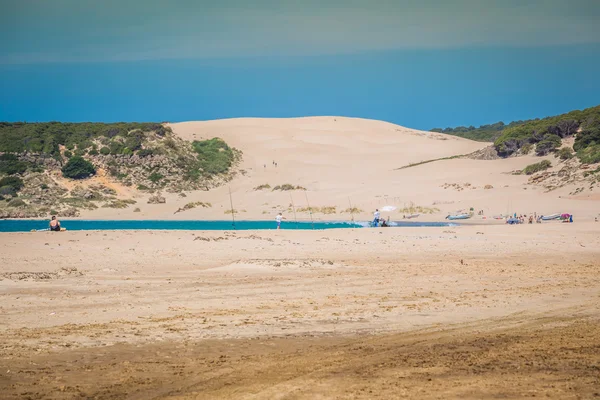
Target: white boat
550,217
458,216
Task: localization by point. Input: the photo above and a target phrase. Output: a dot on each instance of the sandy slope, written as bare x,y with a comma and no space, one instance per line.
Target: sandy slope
343,161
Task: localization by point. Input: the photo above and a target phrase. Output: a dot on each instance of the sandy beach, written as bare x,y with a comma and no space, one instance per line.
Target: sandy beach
356,313
481,310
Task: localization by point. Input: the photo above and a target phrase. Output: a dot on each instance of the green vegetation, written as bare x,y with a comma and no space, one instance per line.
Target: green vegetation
548,131
78,168
10,185
526,148
565,153
10,165
46,137
155,177
214,155
587,143
590,154
549,143
537,167
545,134
485,133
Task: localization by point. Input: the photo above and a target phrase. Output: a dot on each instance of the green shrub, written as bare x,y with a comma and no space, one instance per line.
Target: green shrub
214,155
94,152
43,186
10,165
116,148
565,153
145,152
7,191
105,151
526,148
142,187
537,167
78,168
587,137
13,182
127,151
68,154
589,154
155,177
548,144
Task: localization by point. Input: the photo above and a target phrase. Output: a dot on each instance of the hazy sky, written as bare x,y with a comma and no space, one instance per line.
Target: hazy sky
420,63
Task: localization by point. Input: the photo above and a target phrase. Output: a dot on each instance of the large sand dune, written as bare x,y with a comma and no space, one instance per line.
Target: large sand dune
344,162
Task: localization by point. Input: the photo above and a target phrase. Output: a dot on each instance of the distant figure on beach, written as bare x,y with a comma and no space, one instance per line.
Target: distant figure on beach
376,216
278,218
54,224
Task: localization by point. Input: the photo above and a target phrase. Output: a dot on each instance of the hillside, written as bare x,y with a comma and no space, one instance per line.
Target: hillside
484,133
547,134
63,168
543,135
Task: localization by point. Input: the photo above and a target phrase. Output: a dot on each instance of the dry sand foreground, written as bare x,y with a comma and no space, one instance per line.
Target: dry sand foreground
465,312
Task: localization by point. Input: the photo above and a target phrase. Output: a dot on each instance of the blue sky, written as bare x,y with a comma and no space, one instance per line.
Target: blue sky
422,64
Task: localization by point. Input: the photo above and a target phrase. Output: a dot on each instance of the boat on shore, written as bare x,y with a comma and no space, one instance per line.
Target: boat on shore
550,217
459,216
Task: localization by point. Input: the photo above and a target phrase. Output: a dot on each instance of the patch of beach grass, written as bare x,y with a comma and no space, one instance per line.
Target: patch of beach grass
264,186
119,203
287,186
318,210
192,205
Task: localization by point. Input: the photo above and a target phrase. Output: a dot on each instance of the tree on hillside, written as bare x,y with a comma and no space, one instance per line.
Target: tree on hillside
78,168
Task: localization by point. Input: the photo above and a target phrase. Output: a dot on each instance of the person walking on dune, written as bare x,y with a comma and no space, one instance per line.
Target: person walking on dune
278,218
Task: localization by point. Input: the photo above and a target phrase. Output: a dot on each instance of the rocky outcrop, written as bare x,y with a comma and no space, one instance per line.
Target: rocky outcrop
157,199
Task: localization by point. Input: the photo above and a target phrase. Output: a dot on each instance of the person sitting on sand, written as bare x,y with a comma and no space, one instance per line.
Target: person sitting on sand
54,224
278,218
531,219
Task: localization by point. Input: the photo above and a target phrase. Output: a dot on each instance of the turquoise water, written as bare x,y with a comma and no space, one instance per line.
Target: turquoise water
26,225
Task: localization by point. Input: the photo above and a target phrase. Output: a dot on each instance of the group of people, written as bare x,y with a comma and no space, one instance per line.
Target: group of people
274,163
521,219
